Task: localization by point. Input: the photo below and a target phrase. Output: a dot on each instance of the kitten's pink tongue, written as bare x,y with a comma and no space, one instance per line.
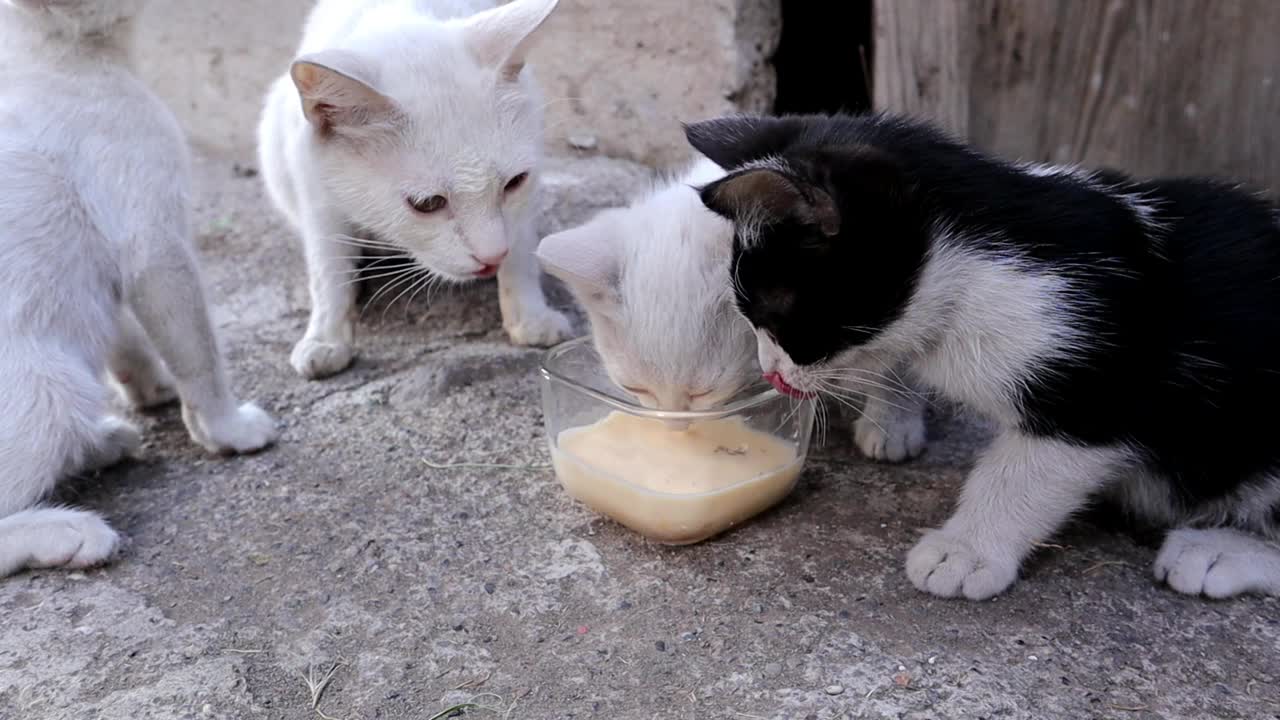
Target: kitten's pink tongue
775,379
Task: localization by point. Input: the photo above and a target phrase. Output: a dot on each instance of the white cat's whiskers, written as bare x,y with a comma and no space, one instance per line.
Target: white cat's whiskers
357,275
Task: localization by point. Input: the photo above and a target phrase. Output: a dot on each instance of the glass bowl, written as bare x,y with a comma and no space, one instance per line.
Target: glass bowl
674,477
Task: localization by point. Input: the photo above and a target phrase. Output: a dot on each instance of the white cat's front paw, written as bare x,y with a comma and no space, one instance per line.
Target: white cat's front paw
249,428
314,358
948,565
891,439
543,328
1218,563
72,539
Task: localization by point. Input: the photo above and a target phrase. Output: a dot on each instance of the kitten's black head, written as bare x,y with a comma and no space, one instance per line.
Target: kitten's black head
828,235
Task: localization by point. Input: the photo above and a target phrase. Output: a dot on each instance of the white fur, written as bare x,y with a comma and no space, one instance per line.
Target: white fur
1020,493
1219,563
97,273
396,98
654,280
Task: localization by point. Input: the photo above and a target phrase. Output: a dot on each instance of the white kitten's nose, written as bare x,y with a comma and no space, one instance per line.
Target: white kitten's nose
492,259
488,264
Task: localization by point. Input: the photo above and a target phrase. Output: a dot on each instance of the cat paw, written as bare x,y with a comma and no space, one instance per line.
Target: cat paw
947,565
543,328
890,439
314,359
245,430
1218,563
71,539
116,440
145,392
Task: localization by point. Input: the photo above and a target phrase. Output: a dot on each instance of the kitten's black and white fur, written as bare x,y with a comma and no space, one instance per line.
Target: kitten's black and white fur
1124,334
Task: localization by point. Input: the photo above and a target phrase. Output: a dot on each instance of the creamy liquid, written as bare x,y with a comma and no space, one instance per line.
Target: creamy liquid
676,485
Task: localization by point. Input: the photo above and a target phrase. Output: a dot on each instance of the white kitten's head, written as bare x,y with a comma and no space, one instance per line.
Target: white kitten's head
81,18
654,280
427,131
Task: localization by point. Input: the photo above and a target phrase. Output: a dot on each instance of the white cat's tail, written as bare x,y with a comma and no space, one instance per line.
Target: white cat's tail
59,537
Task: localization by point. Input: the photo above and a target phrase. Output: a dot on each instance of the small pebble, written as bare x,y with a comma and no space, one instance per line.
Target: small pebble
933,659
1032,657
660,646
489,588
773,669
583,629
206,710
834,690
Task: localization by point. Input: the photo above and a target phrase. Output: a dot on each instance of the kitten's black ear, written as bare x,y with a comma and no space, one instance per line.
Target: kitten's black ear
764,193
734,140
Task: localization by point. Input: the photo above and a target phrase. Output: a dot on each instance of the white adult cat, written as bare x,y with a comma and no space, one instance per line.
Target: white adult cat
411,124
654,279
96,264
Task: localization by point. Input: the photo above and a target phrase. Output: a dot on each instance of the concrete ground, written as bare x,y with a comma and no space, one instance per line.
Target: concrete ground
340,561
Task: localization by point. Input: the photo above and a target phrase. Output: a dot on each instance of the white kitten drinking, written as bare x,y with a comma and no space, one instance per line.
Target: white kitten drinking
654,280
97,274
411,126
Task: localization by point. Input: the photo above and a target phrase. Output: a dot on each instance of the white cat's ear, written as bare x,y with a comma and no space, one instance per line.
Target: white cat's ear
503,36
338,91
587,259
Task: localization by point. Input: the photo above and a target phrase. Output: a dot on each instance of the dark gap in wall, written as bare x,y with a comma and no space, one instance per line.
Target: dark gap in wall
824,57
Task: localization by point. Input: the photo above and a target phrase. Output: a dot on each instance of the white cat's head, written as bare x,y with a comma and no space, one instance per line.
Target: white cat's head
428,132
654,280
81,18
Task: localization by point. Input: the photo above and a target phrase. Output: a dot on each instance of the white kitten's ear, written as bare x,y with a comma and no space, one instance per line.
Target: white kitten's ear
338,91
587,259
503,36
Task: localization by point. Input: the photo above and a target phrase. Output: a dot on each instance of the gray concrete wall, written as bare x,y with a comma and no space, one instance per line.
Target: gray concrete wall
619,75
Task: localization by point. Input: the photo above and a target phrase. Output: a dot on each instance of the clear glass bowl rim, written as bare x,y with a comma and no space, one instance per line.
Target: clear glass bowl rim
550,374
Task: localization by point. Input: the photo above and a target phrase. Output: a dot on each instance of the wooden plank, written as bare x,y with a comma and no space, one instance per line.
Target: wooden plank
1150,86
920,62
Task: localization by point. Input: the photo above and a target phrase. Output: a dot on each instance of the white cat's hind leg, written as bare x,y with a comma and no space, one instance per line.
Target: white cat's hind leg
526,316
136,372
55,538
51,425
1218,562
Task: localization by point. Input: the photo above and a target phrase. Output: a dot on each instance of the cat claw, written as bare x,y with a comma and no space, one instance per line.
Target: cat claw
542,329
891,441
315,359
947,565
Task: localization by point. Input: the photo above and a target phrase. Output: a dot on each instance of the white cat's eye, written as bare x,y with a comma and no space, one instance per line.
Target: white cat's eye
637,390
514,183
428,205
699,395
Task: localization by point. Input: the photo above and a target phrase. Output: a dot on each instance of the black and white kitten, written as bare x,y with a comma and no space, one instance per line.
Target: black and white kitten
1124,334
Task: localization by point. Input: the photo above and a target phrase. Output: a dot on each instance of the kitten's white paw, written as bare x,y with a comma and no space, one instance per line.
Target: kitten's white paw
1218,563
947,565
71,539
891,439
314,359
541,328
143,392
116,440
247,429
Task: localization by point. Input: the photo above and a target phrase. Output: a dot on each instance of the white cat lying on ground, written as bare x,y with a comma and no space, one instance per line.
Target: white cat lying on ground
410,126
654,279
96,266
